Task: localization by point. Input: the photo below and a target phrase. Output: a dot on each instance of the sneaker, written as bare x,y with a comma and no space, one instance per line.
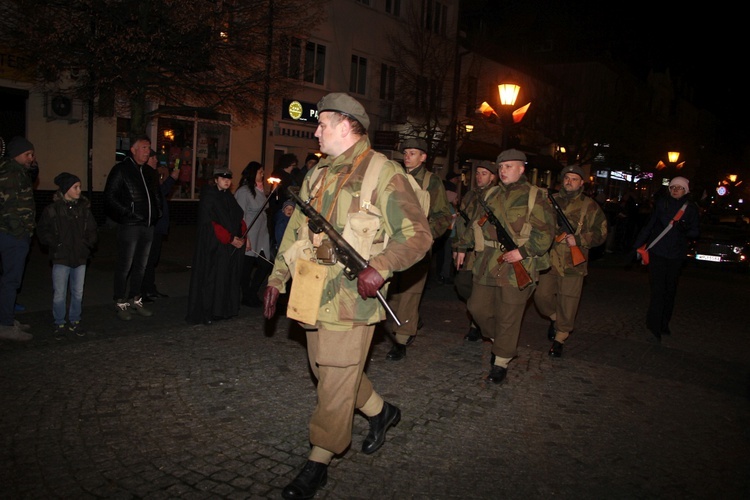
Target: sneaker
59,331
75,327
122,310
137,305
21,326
11,332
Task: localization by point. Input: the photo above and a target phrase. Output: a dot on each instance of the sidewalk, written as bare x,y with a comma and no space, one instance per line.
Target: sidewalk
154,408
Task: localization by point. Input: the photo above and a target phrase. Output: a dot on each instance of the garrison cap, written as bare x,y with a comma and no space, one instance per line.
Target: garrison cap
489,165
573,169
414,143
343,103
511,155
223,172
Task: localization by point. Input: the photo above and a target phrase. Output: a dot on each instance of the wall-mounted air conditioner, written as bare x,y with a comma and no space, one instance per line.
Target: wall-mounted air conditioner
62,107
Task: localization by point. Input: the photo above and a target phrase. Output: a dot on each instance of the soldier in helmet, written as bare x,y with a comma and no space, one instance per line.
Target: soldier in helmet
485,177
365,197
559,290
496,302
407,286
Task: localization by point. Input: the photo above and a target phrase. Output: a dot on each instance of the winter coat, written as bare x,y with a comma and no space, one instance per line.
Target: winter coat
674,244
131,195
68,228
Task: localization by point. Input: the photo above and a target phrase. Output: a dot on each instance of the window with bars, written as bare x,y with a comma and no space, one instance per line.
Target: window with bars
434,16
387,82
302,60
393,7
358,75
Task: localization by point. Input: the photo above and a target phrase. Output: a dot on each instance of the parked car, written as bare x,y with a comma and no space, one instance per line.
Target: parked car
722,244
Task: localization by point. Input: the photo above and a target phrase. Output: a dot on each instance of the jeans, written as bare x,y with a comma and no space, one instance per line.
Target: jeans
13,252
149,275
133,247
61,275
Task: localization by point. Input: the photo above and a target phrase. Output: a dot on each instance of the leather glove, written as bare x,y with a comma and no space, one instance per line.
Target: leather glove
369,282
270,296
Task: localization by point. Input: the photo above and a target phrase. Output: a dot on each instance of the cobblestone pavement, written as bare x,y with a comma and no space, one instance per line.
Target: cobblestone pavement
154,408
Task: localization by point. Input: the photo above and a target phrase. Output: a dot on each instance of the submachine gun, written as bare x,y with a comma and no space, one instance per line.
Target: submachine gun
575,252
352,261
506,244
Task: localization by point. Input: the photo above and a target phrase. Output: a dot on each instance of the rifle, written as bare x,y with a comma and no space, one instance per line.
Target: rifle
575,252
352,261
506,244
464,215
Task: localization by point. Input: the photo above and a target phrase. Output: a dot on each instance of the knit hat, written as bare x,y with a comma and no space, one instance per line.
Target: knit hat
288,203
573,169
65,181
344,104
681,181
414,143
511,155
18,145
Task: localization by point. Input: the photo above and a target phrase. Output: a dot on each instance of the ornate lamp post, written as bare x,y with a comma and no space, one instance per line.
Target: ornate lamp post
508,95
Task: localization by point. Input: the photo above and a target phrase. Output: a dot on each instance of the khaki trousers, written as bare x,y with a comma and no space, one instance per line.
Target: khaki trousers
406,291
559,296
337,360
498,310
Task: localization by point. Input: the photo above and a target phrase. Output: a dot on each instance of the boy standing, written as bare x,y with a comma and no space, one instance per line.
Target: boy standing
68,228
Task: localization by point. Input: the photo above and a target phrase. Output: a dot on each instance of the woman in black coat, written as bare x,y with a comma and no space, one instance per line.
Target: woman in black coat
219,249
668,254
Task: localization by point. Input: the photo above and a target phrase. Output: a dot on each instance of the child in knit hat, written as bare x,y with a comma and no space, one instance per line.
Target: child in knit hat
68,228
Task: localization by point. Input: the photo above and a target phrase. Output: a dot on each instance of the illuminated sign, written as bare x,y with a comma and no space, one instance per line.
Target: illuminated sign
299,111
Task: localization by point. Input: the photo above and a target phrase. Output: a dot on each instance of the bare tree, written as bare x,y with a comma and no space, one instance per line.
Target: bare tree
426,53
207,54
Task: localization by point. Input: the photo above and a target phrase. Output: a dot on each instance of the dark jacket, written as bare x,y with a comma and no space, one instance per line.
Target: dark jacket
68,228
131,195
674,244
162,225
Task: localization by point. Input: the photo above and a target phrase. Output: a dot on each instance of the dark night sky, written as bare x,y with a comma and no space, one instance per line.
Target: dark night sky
706,47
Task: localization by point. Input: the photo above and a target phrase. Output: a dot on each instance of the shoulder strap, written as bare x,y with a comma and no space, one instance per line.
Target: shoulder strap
426,179
370,182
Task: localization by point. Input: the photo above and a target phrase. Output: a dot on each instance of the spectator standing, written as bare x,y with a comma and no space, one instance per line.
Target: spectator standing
167,181
68,228
17,223
496,302
215,280
310,161
408,286
256,266
668,254
284,172
282,220
132,199
339,339
559,290
470,210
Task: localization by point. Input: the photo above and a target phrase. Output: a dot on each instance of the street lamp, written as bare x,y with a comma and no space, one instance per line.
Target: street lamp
673,156
508,95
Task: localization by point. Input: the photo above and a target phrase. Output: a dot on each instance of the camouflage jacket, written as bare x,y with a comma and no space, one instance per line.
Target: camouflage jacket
17,206
440,216
402,220
510,205
470,207
590,225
